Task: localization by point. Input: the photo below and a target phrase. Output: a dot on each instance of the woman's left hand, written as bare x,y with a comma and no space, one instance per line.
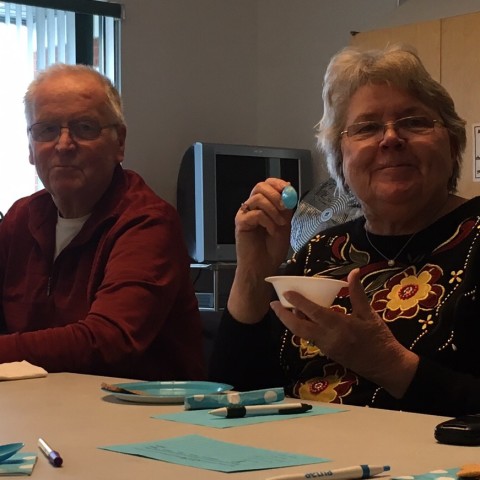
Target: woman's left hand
361,341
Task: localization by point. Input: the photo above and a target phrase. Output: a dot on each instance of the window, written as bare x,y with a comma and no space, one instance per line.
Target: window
34,35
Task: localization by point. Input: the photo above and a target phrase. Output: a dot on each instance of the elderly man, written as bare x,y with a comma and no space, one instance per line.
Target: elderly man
93,269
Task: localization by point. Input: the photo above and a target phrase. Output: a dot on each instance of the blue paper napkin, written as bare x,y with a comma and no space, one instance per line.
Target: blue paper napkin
444,474
252,397
18,464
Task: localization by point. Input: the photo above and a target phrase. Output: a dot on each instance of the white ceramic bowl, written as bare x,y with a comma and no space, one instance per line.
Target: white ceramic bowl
320,290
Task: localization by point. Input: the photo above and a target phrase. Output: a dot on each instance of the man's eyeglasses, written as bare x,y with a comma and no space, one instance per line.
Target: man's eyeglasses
404,127
78,129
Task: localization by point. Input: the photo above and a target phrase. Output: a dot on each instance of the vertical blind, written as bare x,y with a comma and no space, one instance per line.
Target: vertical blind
49,36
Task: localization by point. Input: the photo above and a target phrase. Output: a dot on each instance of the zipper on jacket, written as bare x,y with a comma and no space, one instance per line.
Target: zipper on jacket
49,285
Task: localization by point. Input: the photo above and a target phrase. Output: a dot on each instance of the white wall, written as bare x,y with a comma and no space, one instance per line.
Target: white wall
238,71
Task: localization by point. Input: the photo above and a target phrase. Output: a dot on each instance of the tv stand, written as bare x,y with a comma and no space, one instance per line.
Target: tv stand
212,292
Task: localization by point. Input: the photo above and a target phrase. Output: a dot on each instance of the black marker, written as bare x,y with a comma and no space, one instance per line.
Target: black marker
280,409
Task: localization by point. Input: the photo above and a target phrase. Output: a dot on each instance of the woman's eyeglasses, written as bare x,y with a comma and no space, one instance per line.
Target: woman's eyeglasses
404,127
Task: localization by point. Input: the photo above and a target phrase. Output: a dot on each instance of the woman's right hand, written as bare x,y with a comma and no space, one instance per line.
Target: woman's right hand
262,236
262,228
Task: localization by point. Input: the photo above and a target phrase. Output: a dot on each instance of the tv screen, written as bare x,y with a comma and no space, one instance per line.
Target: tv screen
213,181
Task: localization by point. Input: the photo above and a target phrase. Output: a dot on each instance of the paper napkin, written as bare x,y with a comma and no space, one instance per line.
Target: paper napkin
19,370
442,474
253,397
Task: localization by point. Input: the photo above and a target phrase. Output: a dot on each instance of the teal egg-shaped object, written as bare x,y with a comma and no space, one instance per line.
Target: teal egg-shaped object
289,197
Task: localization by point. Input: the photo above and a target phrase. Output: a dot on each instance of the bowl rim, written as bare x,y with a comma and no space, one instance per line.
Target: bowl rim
276,277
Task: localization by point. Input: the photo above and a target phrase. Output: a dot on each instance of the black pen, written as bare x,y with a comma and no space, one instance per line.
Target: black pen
53,456
238,411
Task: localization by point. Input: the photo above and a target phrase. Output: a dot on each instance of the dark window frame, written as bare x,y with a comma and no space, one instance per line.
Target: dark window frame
92,7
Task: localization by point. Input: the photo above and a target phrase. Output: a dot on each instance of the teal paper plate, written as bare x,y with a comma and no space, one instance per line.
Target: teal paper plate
167,392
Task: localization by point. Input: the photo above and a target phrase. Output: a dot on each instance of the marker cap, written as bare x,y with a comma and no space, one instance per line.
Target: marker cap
55,459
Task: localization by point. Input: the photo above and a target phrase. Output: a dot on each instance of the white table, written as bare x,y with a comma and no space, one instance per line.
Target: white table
71,413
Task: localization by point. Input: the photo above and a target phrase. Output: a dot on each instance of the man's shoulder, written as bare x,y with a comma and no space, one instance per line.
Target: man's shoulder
139,196
37,208
38,199
136,183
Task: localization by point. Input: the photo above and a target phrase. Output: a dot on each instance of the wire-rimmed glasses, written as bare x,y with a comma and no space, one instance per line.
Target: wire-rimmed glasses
405,127
78,130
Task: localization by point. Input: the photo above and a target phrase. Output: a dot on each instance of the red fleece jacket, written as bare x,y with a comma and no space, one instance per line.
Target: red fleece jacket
117,301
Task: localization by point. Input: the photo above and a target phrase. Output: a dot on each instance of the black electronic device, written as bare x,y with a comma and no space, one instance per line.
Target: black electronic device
463,430
214,179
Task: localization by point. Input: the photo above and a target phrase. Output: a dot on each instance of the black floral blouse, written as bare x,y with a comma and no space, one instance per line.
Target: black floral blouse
429,297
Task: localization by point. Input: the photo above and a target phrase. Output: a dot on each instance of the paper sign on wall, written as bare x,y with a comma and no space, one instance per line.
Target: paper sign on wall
476,152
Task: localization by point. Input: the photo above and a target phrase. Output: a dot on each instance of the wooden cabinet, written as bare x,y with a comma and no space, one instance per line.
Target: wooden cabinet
448,48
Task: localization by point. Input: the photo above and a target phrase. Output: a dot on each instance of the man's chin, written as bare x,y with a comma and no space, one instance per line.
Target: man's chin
64,188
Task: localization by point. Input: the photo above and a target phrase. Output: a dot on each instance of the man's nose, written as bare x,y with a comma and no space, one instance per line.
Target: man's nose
65,138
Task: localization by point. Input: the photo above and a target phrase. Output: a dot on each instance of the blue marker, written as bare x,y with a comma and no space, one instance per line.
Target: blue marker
289,197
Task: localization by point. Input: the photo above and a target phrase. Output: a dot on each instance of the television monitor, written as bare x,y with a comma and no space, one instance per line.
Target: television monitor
214,179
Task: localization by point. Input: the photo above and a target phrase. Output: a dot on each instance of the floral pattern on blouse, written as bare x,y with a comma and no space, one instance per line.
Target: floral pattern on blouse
335,384
408,292
306,349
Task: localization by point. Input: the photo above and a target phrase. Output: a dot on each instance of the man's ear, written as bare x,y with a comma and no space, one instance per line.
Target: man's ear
30,154
121,136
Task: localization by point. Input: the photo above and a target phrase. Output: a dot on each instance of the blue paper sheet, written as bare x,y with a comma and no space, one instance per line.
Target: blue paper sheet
202,417
206,453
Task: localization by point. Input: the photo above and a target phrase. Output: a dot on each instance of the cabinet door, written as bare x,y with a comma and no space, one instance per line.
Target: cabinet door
424,36
460,75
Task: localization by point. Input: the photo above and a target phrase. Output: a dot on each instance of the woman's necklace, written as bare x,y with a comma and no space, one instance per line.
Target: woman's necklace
390,261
